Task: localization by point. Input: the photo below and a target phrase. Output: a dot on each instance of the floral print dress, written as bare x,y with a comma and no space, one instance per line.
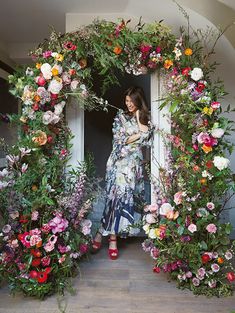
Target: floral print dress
124,178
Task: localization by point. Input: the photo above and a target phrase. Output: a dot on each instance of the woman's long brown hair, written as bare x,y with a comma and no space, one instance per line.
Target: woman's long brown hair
137,96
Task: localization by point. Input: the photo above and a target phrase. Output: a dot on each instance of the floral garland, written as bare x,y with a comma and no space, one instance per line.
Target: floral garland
46,228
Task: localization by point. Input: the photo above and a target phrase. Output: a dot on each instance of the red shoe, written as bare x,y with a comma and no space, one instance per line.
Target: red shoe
96,245
113,253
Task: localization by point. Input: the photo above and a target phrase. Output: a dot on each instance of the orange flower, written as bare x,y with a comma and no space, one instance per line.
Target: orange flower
34,188
38,65
37,98
188,51
117,50
220,260
39,244
206,148
196,168
40,138
168,64
203,181
176,215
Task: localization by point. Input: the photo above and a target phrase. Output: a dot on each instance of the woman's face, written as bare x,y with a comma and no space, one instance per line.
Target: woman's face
132,108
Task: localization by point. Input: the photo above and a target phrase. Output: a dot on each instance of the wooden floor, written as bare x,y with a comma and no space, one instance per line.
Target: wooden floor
126,285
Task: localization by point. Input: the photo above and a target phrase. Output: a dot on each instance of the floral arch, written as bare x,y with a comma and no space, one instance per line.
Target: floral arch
46,228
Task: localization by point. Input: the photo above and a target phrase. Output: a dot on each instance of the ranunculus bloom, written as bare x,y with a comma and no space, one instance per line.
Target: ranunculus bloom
211,228
117,50
196,281
196,74
215,267
40,138
168,64
205,258
188,51
192,228
220,162
206,148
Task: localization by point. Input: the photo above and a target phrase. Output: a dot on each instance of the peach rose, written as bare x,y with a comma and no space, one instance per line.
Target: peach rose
40,138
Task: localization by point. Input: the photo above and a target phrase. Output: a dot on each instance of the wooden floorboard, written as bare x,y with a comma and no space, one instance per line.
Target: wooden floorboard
126,285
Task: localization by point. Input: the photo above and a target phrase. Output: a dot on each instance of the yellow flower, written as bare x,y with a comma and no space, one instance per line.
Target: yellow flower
38,65
23,119
188,51
40,138
168,64
157,232
207,111
55,71
206,149
59,57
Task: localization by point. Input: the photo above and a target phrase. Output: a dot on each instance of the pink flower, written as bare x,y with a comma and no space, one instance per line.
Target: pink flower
211,228
34,215
145,49
215,105
201,272
25,239
49,247
58,224
153,208
189,274
47,54
178,197
210,206
35,231
83,248
46,228
212,283
154,252
196,281
150,218
192,228
6,228
62,259
203,138
63,249
228,255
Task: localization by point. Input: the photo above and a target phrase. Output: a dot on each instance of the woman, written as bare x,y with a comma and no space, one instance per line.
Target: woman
124,173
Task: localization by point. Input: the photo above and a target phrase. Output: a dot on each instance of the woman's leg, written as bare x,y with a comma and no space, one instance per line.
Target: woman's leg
113,251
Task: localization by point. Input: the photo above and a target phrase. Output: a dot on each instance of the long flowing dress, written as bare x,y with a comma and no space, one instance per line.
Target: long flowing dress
124,178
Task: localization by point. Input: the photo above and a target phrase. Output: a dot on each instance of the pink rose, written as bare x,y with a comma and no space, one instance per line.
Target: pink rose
210,206
192,228
211,228
150,218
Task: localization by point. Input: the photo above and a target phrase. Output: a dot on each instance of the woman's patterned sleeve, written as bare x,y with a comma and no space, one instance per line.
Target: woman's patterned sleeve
119,135
146,137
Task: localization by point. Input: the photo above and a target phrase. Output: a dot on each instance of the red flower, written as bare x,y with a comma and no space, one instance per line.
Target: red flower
205,258
36,253
36,262
48,270
156,269
70,46
49,139
205,123
42,277
24,219
200,87
230,276
209,164
33,274
185,71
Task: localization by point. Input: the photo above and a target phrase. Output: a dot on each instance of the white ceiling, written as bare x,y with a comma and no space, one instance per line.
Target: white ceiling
24,21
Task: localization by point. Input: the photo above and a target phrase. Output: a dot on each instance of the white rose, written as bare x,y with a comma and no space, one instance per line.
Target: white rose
196,74
46,70
55,86
152,234
59,108
165,208
150,218
220,162
217,132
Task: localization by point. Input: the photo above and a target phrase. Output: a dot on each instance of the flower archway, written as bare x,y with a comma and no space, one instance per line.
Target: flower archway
47,230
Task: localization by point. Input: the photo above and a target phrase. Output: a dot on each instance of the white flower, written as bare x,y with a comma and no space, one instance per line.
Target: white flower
205,173
146,228
55,86
210,206
152,234
24,167
197,73
228,255
217,132
220,162
4,172
59,108
192,228
46,70
165,208
50,118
